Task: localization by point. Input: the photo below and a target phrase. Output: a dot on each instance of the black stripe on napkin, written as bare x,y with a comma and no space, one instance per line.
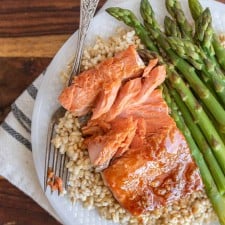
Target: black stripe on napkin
21,117
32,90
16,135
43,73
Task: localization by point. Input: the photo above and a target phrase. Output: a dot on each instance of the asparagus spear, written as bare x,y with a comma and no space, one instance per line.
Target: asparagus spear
196,10
148,14
171,28
131,20
210,159
175,10
204,32
216,199
216,125
187,50
204,36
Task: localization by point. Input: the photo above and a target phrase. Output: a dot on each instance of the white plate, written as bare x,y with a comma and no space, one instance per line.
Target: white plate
46,102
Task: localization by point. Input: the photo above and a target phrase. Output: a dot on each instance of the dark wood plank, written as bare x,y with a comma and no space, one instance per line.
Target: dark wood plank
16,208
38,17
15,75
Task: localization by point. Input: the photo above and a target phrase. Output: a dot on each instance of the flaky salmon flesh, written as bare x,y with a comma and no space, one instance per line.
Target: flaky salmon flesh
143,157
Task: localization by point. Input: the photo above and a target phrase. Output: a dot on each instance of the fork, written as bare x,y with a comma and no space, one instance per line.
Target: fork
55,161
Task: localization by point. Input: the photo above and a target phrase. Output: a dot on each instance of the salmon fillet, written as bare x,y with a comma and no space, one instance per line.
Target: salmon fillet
143,157
158,168
81,95
152,175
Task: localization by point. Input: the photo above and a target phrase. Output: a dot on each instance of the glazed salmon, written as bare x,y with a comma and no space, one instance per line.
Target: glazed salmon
143,157
103,79
152,175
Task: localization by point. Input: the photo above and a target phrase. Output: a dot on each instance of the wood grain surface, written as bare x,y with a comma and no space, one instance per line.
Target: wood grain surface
31,32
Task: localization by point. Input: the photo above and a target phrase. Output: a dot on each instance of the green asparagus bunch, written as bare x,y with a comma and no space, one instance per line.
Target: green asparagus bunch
186,69
187,50
196,11
196,56
217,200
202,143
203,31
211,71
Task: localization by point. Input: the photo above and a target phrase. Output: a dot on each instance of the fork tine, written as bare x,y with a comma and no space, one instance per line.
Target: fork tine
65,178
55,160
48,153
62,164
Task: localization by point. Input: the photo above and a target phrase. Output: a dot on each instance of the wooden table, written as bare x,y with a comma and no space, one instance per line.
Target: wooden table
31,32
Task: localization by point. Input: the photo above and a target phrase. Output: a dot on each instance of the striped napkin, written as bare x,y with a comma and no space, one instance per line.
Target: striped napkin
16,162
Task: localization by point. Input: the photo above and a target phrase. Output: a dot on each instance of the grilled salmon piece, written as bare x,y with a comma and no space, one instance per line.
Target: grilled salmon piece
80,96
133,94
117,140
137,90
106,98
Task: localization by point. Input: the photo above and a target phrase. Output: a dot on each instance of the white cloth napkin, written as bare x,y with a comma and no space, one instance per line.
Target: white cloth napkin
16,162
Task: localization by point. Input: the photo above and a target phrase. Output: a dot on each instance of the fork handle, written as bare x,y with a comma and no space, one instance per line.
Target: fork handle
87,10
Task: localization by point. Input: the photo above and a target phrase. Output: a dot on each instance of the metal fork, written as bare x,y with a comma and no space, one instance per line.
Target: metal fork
54,160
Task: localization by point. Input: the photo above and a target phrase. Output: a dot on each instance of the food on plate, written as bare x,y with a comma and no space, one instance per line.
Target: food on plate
130,138
86,185
145,159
